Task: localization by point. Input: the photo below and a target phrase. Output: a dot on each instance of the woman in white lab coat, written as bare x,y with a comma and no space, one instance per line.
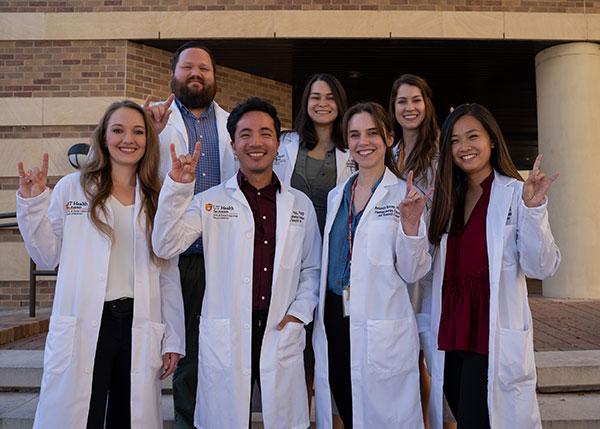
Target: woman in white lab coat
366,339
314,158
416,134
490,231
113,295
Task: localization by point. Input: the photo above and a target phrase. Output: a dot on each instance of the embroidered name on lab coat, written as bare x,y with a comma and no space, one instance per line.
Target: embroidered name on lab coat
387,211
279,159
76,208
219,211
297,217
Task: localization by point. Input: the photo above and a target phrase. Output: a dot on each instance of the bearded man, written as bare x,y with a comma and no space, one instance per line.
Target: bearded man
190,115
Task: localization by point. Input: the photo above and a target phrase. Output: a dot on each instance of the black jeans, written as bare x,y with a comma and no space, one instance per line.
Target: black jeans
465,387
337,328
185,378
112,368
259,323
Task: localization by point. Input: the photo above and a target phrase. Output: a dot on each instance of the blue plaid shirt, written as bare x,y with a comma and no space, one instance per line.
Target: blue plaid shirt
208,170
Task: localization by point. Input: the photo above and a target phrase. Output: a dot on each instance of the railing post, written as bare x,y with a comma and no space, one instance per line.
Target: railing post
32,284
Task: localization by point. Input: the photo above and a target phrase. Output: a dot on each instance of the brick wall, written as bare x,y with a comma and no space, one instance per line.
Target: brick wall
62,68
16,294
235,86
51,6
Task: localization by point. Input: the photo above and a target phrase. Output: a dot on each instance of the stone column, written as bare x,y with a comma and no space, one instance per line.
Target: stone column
568,111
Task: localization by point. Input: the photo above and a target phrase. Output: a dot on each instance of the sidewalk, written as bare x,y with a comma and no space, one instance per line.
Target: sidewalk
559,325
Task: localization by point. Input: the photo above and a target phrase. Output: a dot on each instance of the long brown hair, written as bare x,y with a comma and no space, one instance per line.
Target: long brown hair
382,124
447,210
96,178
305,127
421,158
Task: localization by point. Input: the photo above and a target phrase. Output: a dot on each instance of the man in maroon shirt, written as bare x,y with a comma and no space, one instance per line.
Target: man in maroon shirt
262,248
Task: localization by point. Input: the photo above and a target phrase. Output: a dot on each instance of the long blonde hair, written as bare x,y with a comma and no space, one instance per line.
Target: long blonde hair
96,178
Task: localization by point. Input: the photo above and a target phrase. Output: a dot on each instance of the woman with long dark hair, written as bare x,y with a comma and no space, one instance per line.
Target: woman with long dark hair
116,328
314,157
490,230
366,338
416,149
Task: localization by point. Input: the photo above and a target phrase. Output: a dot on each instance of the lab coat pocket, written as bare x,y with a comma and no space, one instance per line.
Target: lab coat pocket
214,343
293,247
516,364
380,242
59,343
292,340
147,346
390,348
509,250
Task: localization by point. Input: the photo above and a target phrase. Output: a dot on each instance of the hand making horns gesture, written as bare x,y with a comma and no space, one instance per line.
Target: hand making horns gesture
412,206
183,168
159,112
537,184
33,182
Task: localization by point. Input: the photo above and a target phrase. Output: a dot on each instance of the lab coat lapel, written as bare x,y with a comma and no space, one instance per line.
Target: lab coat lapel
285,204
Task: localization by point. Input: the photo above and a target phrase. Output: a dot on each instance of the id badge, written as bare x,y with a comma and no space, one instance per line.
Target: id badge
346,300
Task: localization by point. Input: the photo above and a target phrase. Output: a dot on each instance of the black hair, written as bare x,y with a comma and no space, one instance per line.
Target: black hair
194,44
253,104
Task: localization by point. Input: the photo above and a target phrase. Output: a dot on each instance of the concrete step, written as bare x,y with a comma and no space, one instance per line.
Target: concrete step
17,411
22,369
573,371
559,411
570,410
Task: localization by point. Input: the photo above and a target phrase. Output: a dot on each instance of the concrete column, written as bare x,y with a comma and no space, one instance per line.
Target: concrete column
568,104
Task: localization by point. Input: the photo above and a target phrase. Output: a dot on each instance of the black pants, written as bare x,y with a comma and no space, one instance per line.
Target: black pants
112,369
185,378
259,323
337,328
465,387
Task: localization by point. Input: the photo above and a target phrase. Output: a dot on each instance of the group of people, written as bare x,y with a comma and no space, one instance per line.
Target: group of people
366,255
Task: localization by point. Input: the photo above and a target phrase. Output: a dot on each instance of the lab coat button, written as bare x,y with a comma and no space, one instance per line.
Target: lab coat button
248,235
88,370
246,280
95,323
247,326
246,372
101,277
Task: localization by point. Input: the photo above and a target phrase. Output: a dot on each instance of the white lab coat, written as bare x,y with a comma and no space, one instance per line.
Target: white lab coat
519,244
285,161
57,229
384,341
223,217
176,133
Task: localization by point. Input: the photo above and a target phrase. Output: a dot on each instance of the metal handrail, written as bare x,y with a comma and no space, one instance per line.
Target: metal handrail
34,273
8,215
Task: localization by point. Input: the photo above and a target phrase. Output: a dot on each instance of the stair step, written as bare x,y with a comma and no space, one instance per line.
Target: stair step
573,371
18,409
22,369
570,410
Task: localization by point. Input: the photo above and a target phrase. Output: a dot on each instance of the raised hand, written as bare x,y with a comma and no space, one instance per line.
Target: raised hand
159,112
537,184
33,182
412,206
183,168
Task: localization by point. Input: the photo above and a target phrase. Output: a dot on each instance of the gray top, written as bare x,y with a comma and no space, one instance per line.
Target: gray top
315,177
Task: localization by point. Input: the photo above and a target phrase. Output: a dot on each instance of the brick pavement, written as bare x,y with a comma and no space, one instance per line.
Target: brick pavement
565,324
559,325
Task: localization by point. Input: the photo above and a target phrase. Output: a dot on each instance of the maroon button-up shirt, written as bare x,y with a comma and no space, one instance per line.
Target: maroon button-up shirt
263,205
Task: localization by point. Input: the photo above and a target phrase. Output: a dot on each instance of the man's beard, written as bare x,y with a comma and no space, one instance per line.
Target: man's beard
193,98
